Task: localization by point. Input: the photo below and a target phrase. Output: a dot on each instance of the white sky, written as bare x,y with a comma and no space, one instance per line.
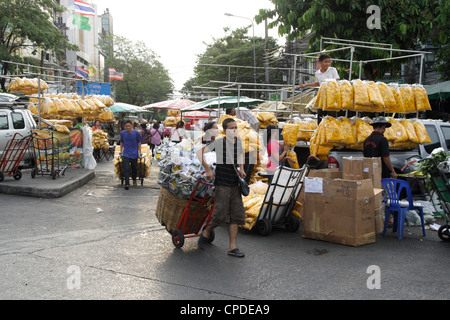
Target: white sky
176,29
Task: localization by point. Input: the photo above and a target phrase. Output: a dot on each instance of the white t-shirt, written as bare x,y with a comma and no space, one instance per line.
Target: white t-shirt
331,73
178,134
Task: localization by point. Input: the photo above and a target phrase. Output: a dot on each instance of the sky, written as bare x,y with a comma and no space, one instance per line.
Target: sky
177,29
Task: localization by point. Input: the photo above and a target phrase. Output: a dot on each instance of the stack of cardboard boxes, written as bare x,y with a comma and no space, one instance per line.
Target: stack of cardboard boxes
344,206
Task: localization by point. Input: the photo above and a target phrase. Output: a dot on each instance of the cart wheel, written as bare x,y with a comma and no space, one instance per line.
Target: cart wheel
444,233
177,238
18,175
33,173
293,223
263,227
2,177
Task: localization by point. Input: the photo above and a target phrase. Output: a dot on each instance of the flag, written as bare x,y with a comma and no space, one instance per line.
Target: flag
92,70
81,22
81,72
114,75
83,8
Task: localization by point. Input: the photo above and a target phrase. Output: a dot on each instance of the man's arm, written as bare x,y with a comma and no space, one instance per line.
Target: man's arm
387,161
314,84
121,147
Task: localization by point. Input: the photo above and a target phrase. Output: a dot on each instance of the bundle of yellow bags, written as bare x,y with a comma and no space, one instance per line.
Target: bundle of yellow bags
266,118
351,133
306,129
106,115
27,86
253,203
146,161
370,96
100,140
171,121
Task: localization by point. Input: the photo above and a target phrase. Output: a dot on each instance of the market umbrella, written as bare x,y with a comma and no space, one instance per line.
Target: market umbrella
224,102
177,104
196,115
438,91
120,107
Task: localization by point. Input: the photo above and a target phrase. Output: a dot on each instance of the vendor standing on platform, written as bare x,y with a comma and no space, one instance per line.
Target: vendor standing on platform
130,150
376,145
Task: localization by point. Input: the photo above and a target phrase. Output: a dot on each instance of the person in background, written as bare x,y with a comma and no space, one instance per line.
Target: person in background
79,124
179,133
96,126
275,151
231,112
211,130
145,133
156,136
325,72
229,208
130,150
376,145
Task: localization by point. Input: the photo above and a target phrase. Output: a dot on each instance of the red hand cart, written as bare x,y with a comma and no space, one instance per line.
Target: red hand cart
13,155
185,218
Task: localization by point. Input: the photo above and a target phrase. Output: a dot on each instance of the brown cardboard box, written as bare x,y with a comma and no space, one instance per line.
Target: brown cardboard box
352,168
379,210
372,170
343,213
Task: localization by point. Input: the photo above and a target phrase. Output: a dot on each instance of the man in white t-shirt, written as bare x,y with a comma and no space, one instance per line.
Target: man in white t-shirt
325,72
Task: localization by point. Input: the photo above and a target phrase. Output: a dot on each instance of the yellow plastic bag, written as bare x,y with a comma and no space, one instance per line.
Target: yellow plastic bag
408,98
398,130
374,95
321,97
363,130
289,133
333,96
421,132
398,107
410,131
386,94
421,98
293,156
361,96
346,91
333,134
347,131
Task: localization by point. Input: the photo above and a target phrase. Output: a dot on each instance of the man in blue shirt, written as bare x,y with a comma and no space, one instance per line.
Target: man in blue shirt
130,149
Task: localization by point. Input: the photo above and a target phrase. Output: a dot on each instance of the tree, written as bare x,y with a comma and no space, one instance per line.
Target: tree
145,78
404,24
25,23
234,49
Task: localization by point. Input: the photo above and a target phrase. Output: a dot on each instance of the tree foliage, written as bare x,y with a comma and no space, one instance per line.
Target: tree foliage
404,23
146,80
234,49
25,23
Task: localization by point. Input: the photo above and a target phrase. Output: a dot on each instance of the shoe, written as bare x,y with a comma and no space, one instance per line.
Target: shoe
236,253
127,187
202,241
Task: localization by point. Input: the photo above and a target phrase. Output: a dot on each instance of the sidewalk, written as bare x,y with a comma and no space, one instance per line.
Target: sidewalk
45,186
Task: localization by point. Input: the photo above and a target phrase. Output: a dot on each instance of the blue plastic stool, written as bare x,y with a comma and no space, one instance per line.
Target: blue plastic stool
397,207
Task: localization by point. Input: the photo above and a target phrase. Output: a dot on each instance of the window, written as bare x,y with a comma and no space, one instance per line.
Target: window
435,143
446,133
18,120
4,122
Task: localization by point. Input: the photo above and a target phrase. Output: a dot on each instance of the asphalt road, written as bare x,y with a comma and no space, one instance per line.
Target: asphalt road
103,242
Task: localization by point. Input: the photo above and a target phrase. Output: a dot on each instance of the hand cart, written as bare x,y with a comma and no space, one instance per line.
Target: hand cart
280,199
140,170
441,186
13,155
46,153
185,218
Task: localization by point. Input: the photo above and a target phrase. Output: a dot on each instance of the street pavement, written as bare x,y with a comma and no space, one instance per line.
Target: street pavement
103,242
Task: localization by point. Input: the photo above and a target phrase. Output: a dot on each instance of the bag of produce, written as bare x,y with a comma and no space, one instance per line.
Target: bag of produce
333,96
347,130
289,133
398,131
361,96
346,91
421,131
386,94
374,95
408,98
332,131
410,131
421,98
363,129
399,107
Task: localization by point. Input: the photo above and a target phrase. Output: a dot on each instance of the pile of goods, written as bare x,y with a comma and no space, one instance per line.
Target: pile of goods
27,86
171,122
180,170
71,106
351,133
370,96
146,161
266,118
100,140
59,125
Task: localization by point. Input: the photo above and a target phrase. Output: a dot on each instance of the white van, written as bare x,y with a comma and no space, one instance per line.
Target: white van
15,119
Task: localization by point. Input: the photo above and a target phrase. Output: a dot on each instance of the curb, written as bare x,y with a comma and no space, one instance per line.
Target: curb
48,192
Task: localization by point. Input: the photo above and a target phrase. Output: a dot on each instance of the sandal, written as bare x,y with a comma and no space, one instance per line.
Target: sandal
236,253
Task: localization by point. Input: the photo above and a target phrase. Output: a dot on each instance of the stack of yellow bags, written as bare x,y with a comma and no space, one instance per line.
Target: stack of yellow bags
27,86
146,160
253,203
266,118
171,121
306,128
106,115
100,140
173,113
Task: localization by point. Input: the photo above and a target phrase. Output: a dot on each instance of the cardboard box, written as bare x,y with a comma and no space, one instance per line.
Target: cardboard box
379,220
342,213
372,170
352,168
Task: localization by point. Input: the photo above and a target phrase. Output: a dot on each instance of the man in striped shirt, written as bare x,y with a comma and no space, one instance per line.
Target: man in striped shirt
229,207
